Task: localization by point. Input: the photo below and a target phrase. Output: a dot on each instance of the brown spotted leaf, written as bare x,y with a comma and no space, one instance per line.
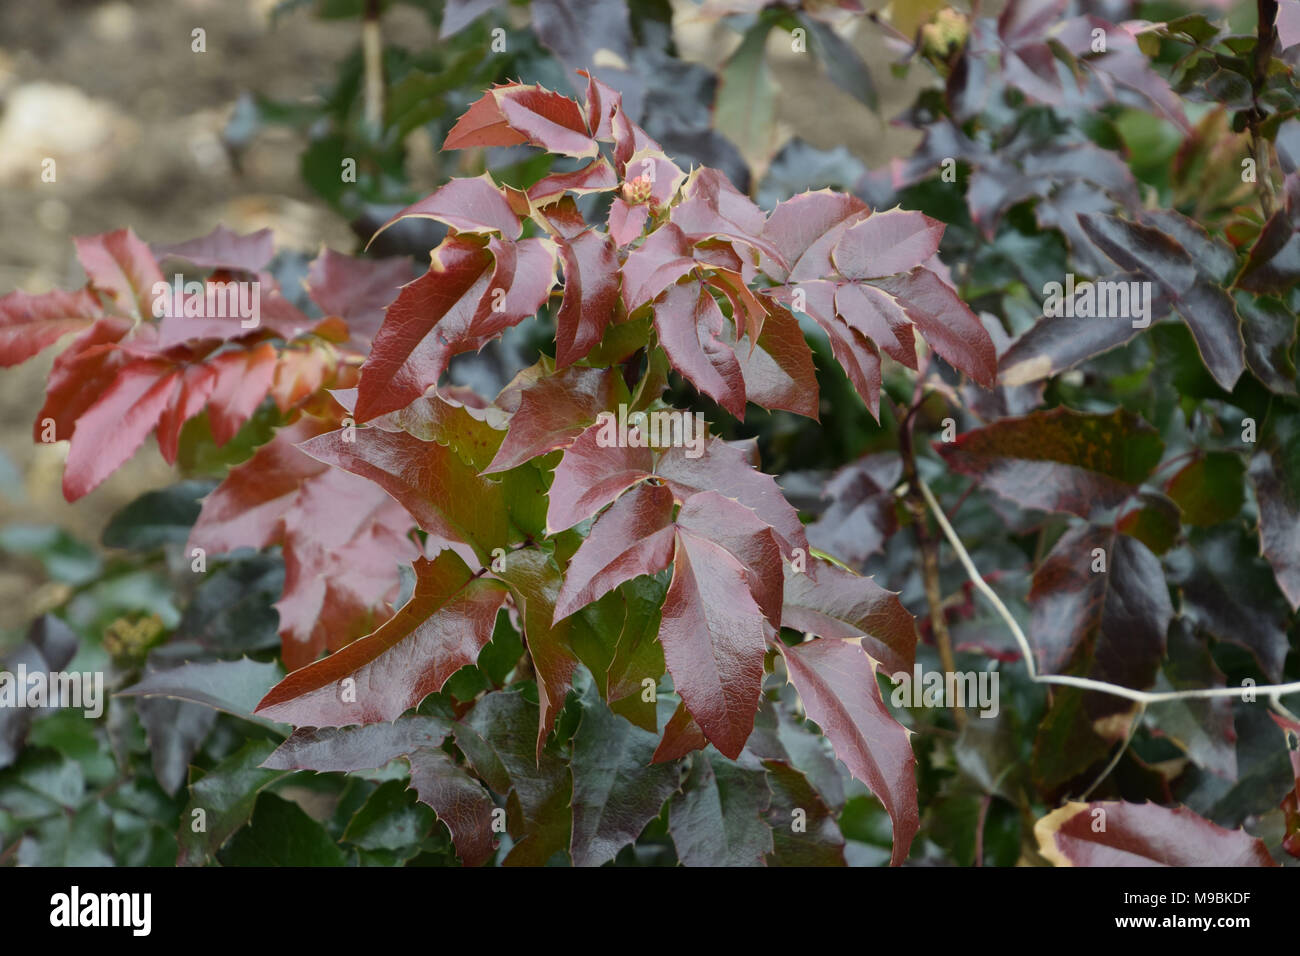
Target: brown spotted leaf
1059,460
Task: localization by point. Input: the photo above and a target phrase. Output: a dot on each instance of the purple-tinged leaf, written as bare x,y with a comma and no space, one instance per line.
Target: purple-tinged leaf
946,322
886,243
1059,460
690,324
617,789
837,604
444,626
714,638
633,537
552,412
467,205
1142,834
836,681
718,818
1106,593
223,249
590,295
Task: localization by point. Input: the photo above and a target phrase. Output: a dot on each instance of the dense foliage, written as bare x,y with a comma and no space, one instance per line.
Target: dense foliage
566,617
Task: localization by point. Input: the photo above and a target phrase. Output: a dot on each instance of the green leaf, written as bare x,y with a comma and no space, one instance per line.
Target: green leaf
232,611
718,817
745,107
63,557
1210,489
222,800
1154,521
804,832
617,791
499,738
234,687
157,518
391,819
281,834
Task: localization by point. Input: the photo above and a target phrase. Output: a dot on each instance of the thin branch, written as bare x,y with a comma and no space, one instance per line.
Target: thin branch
929,557
372,45
1084,683
1265,41
979,828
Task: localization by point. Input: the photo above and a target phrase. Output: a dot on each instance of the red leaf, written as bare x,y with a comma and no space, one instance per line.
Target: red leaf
681,736
597,176
243,378
833,603
460,505
442,628
515,113
713,208
30,323
723,468
590,295
552,412
457,306
886,243
805,229
634,537
879,318
779,372
195,386
754,544
522,277
343,540
223,249
602,100
117,423
406,358
689,324
1104,833
121,265
467,205
714,639
483,125
625,222
655,265
301,373
590,476
356,290
245,509
857,354
946,322
837,684
82,372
